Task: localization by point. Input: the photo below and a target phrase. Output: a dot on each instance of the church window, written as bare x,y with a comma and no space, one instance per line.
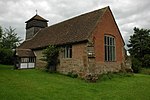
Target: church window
68,51
110,48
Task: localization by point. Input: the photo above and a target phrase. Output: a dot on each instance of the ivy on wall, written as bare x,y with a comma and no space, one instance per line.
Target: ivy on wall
51,54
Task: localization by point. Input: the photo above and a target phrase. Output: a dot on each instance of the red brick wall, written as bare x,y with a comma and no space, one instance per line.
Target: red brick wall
108,26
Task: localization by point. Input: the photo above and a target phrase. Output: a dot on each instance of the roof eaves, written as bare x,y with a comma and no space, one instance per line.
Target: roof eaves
60,44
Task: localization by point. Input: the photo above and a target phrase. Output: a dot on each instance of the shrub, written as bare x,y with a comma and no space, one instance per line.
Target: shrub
6,56
73,75
110,75
136,65
146,61
51,57
145,71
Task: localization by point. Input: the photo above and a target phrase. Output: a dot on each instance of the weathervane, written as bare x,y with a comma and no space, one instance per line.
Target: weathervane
36,11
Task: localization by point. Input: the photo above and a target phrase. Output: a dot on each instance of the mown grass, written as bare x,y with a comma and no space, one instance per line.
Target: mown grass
39,85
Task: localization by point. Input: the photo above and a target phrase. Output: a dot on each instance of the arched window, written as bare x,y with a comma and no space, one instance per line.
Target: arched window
110,48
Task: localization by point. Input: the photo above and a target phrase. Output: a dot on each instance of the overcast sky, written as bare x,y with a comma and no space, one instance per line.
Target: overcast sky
128,13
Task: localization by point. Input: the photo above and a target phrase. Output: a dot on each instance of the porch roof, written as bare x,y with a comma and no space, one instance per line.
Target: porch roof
24,53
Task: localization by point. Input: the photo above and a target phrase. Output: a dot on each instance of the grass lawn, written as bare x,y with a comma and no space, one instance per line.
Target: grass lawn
34,84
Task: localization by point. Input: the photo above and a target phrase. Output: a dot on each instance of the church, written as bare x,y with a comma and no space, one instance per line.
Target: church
91,43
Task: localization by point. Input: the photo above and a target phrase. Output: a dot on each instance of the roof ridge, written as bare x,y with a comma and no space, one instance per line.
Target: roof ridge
34,17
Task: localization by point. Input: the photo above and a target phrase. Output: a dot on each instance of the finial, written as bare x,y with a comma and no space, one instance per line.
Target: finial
36,11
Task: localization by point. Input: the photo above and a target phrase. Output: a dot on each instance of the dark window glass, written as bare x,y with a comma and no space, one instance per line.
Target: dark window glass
68,52
110,53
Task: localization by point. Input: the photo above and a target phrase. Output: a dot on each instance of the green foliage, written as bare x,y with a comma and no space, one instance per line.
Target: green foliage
145,71
136,65
146,60
73,75
6,56
51,54
10,39
139,46
109,76
1,31
8,42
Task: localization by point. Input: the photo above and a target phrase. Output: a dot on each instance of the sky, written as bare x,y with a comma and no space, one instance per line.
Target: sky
128,13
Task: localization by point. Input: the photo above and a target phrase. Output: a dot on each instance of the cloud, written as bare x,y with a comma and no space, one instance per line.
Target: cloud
128,13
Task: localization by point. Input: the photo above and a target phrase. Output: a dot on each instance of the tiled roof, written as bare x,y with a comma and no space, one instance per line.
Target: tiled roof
37,17
24,53
73,30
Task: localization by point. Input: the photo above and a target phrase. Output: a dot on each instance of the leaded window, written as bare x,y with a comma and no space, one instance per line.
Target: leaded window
110,48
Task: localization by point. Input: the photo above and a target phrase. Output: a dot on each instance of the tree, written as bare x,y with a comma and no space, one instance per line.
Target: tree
139,46
0,36
10,39
6,56
1,32
8,42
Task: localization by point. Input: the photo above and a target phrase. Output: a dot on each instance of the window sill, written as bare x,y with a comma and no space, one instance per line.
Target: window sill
91,56
110,61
